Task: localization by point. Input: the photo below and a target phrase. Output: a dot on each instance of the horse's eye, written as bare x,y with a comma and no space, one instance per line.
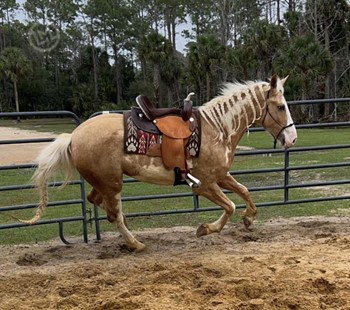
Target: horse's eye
281,108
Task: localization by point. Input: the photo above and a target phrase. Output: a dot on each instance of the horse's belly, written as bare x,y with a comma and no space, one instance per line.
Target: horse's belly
148,169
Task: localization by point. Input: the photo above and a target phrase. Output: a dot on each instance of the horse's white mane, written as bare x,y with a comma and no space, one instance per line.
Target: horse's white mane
220,112
230,88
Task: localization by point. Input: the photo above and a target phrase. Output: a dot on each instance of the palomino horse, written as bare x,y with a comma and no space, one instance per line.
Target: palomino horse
95,149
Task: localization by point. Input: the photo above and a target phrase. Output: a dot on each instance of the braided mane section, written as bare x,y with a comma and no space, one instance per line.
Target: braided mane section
240,104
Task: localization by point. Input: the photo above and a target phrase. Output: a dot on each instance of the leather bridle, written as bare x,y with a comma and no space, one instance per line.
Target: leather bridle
279,124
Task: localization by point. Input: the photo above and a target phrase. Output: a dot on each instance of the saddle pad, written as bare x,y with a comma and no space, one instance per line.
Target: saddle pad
138,141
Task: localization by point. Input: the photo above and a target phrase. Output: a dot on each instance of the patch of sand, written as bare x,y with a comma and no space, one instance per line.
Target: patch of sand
300,263
20,153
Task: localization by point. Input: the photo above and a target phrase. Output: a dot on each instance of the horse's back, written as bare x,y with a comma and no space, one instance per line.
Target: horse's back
113,121
96,146
99,131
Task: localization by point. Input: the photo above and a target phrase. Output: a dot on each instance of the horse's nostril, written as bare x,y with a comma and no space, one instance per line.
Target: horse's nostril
294,140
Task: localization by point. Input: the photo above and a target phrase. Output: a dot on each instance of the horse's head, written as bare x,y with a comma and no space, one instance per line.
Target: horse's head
276,118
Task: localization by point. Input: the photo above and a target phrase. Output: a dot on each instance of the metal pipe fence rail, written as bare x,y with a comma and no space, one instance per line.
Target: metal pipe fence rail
92,217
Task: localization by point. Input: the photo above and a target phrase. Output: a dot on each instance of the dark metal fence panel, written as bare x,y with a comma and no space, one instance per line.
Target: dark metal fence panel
286,169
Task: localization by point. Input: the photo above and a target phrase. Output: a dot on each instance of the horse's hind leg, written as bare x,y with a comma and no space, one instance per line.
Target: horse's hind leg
113,205
96,198
110,201
215,194
231,184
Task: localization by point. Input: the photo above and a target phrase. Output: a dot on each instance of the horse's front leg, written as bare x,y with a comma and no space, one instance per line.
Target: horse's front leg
215,194
231,184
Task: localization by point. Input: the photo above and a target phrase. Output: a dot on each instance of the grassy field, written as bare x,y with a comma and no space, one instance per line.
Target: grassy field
258,140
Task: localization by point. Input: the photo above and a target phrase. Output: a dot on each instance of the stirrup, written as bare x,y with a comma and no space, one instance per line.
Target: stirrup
192,181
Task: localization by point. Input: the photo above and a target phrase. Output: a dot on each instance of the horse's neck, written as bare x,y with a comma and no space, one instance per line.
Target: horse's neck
232,115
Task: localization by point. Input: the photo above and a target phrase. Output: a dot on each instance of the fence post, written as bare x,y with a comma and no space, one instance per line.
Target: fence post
286,176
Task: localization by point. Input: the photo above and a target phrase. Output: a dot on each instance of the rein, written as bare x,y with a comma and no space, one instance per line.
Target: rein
282,127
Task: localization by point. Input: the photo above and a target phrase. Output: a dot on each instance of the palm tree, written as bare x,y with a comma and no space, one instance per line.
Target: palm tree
155,48
204,57
171,70
307,63
14,65
261,42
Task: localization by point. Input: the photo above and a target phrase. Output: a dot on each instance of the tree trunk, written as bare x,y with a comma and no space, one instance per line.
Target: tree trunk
208,85
156,84
16,99
144,69
168,24
329,107
95,67
94,61
170,95
173,26
118,79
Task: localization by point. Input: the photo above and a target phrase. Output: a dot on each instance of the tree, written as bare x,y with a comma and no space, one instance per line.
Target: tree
204,58
174,12
14,65
328,21
307,63
261,41
7,8
113,23
155,48
202,17
171,70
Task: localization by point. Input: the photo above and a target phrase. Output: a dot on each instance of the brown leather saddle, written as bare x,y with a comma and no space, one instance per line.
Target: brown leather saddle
152,113
176,126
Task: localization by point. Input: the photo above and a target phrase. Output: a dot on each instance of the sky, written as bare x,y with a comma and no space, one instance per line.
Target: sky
180,41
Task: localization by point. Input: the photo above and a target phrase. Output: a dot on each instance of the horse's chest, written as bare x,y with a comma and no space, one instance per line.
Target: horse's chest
215,160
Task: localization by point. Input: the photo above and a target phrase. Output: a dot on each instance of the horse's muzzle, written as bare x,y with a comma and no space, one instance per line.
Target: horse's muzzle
288,137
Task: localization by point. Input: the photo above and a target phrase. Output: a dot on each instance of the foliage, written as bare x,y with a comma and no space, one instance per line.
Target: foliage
109,52
305,61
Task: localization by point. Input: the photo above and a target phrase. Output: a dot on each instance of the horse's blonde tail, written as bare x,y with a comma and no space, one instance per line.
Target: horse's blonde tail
56,156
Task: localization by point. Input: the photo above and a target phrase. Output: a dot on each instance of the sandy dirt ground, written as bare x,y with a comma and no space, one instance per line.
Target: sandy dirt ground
300,263
20,153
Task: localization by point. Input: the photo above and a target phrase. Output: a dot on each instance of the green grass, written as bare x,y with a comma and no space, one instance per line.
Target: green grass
259,140
55,125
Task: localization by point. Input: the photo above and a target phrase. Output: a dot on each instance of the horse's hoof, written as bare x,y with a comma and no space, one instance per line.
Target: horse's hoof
247,223
202,230
140,247
135,247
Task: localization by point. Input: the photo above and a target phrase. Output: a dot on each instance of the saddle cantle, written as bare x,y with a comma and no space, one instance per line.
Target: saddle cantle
170,133
152,113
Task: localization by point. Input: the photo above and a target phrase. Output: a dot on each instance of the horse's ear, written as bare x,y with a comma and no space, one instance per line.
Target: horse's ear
273,82
284,80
